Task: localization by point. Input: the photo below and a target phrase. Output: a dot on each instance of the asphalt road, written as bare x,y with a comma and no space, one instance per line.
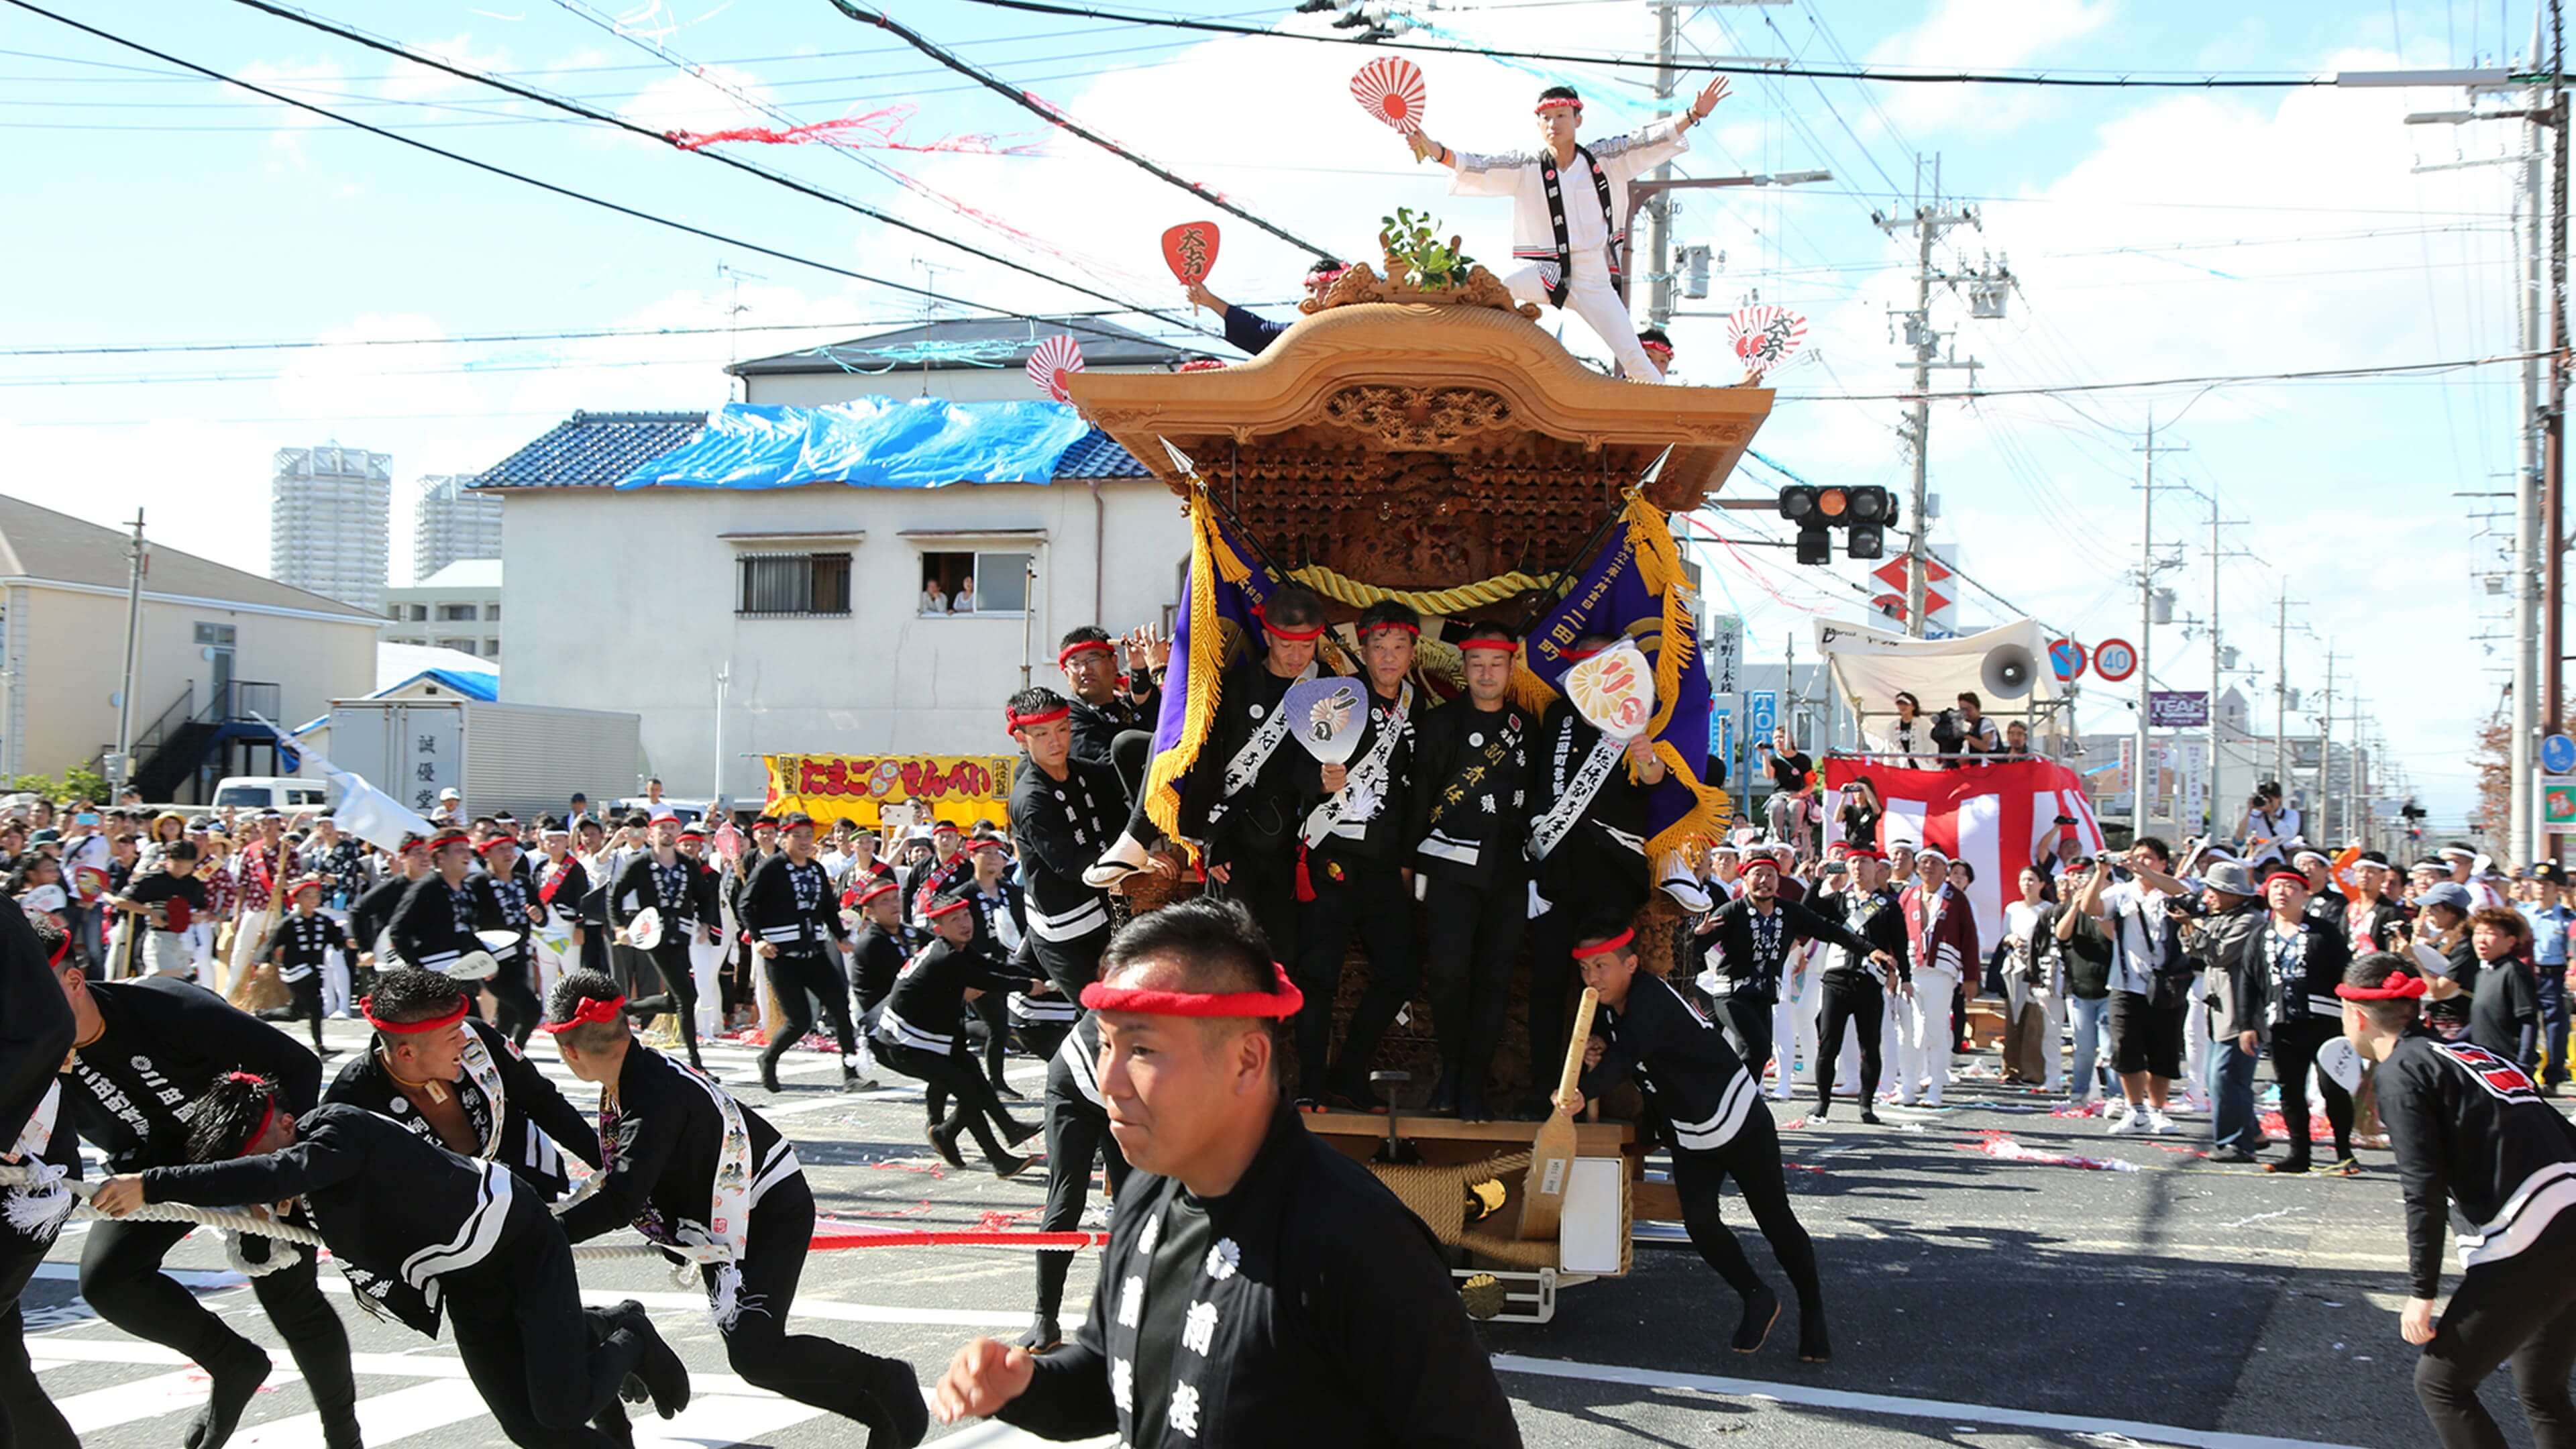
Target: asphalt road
1974,1298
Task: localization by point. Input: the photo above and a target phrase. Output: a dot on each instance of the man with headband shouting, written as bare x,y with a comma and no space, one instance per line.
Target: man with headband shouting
452,1078
1258,1287
1751,938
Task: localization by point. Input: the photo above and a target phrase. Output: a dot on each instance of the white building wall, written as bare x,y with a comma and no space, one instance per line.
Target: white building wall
328,516
644,587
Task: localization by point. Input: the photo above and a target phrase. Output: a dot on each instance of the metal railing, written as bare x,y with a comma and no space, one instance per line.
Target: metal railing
242,699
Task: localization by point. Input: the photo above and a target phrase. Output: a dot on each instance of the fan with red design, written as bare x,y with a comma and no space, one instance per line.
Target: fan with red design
1765,338
1390,88
1054,360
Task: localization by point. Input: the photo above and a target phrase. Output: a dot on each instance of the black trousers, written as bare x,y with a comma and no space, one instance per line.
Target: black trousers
520,1011
1474,934
2294,1051
543,1363
957,1089
1071,965
1370,896
994,1010
1131,754
2514,1311
304,998
120,1275
28,1418
1077,1130
679,988
1863,1005
1747,1018
834,1377
798,981
1753,1160
1262,874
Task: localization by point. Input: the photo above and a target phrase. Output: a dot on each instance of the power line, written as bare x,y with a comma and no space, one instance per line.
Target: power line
1052,116
2315,374
605,118
2116,81
524,179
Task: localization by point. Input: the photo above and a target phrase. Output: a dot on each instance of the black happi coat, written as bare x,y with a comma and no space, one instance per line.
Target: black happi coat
36,1029
1096,727
163,1042
1059,827
397,1213
1692,1080
1755,951
1876,918
537,1125
791,906
501,904
876,959
929,997
2472,1135
301,944
1469,806
1308,1307
374,910
1263,815
435,925
1382,838
663,1141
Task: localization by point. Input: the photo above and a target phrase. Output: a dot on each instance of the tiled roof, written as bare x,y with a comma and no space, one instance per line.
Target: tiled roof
1096,456
592,450
39,543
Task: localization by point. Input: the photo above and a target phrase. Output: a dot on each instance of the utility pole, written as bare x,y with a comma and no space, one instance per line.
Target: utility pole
120,766
2142,779
2523,843
1929,224
2325,759
2217,656
715,790
2281,694
1659,206
2553,485
2358,816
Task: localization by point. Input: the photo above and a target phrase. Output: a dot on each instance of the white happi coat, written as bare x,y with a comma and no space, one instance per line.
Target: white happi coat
1622,159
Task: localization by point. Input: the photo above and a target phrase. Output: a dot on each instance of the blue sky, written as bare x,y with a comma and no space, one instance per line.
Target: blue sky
2155,235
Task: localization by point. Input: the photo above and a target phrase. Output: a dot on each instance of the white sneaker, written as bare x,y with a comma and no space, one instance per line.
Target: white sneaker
2158,1123
2119,1121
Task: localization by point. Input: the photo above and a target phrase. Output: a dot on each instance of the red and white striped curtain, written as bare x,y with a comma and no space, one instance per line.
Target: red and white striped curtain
1987,815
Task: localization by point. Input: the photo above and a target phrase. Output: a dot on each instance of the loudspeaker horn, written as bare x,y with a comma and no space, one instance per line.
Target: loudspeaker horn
2009,672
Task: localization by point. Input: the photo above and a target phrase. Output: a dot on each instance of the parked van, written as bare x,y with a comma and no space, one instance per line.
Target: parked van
268,792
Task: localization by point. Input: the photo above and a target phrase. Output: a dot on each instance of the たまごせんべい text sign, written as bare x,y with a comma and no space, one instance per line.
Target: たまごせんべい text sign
834,787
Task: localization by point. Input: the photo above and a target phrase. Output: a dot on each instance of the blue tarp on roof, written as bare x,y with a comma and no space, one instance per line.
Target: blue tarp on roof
877,442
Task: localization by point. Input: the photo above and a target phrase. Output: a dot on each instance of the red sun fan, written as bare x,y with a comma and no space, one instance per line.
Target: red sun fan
1765,337
1055,359
1390,88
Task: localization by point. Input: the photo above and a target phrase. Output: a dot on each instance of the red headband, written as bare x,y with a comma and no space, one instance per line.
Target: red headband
1651,348
1490,645
874,891
2399,986
1282,631
592,1011
1017,721
1368,629
62,948
2291,876
1603,948
495,843
413,1028
1863,853
950,909
453,837
1065,655
1576,656
256,1080
1281,1002
1557,103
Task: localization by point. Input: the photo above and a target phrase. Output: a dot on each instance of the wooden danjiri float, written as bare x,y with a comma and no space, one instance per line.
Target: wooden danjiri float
1434,445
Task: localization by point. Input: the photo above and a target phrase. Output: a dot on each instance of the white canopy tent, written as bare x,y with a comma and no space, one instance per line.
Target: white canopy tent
1867,667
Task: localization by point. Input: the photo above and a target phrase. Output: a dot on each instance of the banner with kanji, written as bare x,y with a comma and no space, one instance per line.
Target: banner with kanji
959,788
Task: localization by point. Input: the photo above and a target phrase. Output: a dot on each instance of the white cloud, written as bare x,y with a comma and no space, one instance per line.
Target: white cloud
409,81
1983,35
320,81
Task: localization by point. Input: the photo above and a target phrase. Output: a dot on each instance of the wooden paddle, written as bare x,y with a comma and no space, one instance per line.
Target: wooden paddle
1552,1150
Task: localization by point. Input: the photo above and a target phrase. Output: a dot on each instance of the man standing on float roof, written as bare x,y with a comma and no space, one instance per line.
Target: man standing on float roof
1570,211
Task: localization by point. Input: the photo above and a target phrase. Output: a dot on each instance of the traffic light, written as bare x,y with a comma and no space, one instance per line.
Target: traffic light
1863,513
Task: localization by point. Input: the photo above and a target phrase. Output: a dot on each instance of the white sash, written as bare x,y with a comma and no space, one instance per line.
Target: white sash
478,1063
728,1223
38,1208
1246,765
1363,793
1589,777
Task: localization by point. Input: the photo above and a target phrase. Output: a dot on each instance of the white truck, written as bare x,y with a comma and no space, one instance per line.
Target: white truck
527,759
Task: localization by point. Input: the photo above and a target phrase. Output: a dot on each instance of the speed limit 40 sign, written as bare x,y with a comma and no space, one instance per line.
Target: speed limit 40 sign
2115,659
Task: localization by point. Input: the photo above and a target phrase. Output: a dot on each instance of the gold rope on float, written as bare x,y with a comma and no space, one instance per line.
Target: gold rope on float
1341,588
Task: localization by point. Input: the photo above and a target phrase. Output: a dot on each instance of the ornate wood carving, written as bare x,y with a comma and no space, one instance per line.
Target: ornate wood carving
1396,418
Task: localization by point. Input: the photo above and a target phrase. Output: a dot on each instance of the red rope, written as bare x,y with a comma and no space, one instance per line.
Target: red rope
834,1242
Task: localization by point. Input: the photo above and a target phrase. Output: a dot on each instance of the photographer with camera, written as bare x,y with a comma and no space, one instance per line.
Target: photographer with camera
1965,730
2267,827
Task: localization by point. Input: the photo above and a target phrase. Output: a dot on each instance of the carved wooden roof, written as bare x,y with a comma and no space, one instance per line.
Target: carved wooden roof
1362,387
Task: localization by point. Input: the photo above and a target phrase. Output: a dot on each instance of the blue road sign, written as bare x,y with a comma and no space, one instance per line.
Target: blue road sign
2558,754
